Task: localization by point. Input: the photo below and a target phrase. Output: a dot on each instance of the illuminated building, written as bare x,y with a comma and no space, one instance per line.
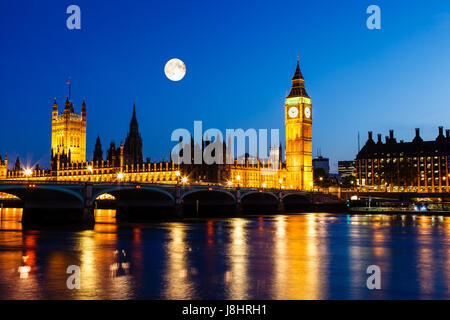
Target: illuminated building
125,163
346,169
417,166
68,133
298,122
3,167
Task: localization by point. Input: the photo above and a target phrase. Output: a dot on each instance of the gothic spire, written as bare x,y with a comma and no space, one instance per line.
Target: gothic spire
134,123
67,105
98,152
298,84
17,165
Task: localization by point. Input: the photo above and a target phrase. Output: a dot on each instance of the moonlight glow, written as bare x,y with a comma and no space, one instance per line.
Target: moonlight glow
175,69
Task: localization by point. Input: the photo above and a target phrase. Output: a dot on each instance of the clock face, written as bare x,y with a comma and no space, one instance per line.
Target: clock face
307,112
293,112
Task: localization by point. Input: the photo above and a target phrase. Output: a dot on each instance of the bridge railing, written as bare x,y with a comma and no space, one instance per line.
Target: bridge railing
161,185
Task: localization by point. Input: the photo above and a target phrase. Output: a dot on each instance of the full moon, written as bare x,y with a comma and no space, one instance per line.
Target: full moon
175,69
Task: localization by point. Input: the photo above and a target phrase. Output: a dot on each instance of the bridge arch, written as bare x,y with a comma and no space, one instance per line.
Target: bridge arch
208,202
115,191
296,202
299,196
190,192
8,196
25,192
260,193
48,204
138,202
259,201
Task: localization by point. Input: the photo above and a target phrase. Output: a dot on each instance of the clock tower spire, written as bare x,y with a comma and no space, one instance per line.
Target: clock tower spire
298,122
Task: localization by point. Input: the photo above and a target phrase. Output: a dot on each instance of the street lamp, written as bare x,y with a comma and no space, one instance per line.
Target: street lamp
229,183
90,170
28,173
119,176
238,178
184,180
264,185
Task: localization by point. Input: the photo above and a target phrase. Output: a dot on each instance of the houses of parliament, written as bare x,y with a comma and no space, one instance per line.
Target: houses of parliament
125,162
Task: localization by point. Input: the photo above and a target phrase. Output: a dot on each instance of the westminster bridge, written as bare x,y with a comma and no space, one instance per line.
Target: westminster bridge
74,202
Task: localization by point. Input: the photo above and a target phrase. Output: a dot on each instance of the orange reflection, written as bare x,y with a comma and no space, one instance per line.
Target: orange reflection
298,256
210,231
105,216
178,286
236,278
11,219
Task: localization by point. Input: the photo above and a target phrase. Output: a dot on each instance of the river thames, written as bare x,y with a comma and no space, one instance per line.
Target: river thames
299,256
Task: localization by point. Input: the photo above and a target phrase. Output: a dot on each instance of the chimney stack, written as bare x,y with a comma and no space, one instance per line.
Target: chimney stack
447,133
379,138
417,132
441,131
370,135
391,134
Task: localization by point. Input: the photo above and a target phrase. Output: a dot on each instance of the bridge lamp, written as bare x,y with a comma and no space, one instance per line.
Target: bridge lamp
280,181
184,180
177,173
28,172
238,177
311,184
229,183
90,169
264,185
120,176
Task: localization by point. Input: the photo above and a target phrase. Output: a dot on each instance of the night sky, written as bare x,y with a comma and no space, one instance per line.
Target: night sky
240,57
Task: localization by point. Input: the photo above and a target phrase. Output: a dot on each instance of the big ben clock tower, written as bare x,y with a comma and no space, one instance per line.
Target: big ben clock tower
298,122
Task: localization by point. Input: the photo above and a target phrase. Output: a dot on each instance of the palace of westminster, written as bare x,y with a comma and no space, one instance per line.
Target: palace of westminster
125,163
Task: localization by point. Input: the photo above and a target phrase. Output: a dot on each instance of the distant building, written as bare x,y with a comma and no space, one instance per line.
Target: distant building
346,169
321,162
417,166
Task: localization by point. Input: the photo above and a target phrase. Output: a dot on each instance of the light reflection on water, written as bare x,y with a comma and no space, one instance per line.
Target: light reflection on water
304,256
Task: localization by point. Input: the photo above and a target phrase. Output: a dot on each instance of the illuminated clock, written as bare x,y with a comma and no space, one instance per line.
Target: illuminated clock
307,112
293,112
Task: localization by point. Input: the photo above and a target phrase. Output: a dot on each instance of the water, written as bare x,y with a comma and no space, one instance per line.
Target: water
303,256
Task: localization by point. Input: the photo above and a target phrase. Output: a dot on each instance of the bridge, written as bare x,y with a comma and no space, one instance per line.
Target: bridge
72,202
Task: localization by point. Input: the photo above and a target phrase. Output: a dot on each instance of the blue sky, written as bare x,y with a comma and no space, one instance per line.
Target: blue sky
240,57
